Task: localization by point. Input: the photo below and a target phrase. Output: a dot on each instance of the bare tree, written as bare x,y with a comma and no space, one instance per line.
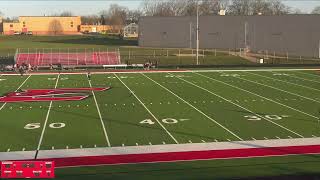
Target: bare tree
239,7
133,16
254,7
116,16
55,27
91,20
316,10
209,7
278,8
182,7
66,14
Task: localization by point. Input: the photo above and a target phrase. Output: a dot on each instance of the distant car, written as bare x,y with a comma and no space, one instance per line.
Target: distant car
29,33
17,33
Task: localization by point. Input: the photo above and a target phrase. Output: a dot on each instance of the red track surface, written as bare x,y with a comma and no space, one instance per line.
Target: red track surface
184,156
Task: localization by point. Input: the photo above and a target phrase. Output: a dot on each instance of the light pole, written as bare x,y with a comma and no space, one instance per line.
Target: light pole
197,32
319,50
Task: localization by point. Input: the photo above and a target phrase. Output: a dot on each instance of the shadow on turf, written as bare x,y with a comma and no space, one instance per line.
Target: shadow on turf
96,40
187,171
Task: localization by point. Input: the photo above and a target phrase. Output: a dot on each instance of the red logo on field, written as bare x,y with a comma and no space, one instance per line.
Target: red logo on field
36,95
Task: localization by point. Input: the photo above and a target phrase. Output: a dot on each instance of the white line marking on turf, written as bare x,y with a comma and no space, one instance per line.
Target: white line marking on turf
170,71
258,95
279,89
194,107
241,107
305,79
100,116
307,87
46,120
308,74
134,94
16,90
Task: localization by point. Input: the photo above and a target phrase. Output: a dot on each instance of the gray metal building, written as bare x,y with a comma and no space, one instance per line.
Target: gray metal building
297,35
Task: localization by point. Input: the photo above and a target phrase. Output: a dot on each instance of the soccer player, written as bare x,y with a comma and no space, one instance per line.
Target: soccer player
21,71
89,75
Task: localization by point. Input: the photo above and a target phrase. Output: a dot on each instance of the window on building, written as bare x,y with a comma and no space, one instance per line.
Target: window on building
11,25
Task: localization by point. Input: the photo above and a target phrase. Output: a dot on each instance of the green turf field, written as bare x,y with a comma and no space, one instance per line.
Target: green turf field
163,108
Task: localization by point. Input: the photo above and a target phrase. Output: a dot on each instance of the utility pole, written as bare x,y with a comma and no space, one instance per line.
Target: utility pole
319,50
190,37
197,32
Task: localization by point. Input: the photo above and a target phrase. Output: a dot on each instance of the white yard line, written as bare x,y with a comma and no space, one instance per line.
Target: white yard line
279,89
240,106
100,116
194,107
16,90
174,139
258,96
45,122
307,87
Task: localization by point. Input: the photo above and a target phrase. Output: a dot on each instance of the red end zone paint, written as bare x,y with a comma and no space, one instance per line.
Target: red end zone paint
184,156
62,94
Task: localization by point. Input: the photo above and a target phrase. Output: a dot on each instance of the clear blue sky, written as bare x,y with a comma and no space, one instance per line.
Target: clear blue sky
38,8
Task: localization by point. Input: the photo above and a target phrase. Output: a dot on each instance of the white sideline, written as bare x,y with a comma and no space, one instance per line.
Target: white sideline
65,153
194,108
47,117
16,90
259,96
279,89
279,125
173,71
100,116
148,110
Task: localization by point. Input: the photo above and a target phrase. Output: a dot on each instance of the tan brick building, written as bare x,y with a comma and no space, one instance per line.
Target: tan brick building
95,28
44,25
